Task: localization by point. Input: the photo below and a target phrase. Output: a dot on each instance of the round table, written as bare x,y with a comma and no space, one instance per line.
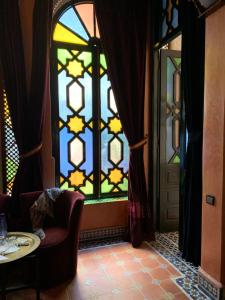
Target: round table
23,252
33,241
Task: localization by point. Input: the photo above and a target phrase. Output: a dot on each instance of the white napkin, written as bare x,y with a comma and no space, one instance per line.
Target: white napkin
6,249
3,257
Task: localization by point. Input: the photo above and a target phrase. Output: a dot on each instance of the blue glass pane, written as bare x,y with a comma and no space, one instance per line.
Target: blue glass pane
175,18
105,112
71,20
65,137
164,28
87,166
169,138
125,162
86,81
105,138
170,71
63,81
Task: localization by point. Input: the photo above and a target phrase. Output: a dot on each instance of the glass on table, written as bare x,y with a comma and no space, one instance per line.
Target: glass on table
3,228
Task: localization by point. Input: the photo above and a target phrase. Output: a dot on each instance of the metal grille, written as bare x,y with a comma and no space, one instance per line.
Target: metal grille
11,157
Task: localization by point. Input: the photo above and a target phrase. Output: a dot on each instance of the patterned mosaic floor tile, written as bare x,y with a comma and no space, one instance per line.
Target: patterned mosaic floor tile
166,244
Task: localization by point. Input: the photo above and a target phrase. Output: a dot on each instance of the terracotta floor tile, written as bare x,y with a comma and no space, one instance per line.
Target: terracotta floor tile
132,266
113,269
104,250
181,296
153,292
141,278
125,256
150,263
173,271
117,248
129,294
169,286
160,274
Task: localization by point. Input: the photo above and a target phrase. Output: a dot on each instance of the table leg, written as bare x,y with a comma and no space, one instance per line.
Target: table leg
3,280
37,270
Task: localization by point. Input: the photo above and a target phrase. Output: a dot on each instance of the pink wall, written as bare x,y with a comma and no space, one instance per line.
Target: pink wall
213,217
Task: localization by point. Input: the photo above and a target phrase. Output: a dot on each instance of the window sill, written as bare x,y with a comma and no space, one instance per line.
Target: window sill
105,200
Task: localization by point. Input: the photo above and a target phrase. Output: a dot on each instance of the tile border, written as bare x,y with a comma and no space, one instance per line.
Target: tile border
210,286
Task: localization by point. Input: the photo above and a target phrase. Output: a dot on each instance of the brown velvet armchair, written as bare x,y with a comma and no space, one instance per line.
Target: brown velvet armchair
58,251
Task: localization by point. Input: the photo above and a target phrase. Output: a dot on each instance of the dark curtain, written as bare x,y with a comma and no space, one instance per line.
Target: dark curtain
193,49
123,29
26,105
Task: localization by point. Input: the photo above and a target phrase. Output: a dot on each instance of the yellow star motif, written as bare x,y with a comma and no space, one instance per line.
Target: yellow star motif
115,125
76,124
75,68
77,178
115,175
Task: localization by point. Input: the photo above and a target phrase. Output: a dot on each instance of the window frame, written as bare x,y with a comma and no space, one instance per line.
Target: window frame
96,49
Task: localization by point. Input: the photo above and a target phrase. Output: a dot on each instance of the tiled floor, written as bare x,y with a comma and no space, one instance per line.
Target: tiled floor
117,272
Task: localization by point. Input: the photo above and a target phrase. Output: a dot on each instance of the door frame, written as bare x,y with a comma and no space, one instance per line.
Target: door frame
156,142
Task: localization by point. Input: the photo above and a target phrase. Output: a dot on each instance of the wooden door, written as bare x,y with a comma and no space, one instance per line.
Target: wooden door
169,139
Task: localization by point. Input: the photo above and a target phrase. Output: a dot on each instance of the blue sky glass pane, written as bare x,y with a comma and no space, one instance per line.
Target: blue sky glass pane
105,112
175,18
64,138
125,162
105,138
87,137
71,20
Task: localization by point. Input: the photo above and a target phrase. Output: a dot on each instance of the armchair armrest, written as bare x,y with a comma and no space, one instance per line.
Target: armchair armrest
67,207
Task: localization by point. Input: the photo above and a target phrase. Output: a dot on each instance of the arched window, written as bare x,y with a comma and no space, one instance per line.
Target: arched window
91,149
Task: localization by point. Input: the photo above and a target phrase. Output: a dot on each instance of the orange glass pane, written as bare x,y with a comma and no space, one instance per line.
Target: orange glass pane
86,12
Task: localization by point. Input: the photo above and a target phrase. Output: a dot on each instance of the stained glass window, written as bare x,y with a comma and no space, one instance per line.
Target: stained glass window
91,148
173,110
11,152
169,17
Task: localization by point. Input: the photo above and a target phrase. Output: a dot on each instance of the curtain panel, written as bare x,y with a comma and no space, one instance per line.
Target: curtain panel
27,106
192,72
123,30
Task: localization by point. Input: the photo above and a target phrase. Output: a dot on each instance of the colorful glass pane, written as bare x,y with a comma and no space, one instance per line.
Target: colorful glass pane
112,103
71,20
115,150
76,152
86,58
114,146
173,110
63,55
86,13
75,68
11,162
103,61
170,17
62,34
75,96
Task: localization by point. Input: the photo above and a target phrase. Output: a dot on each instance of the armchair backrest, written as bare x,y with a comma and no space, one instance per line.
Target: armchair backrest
64,205
4,202
62,208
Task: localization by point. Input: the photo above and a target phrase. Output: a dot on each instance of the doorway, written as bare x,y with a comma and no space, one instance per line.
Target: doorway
168,106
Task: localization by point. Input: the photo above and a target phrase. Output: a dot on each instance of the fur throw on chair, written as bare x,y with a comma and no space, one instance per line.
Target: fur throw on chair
42,207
